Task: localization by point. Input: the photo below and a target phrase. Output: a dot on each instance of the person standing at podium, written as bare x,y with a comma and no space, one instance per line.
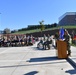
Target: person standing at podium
67,39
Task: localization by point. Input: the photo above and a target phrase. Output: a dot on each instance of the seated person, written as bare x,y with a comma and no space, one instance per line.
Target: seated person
47,43
40,43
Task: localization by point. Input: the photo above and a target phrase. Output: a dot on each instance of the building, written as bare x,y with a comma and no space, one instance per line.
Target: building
69,18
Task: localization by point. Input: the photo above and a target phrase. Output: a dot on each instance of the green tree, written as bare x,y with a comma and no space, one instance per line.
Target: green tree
7,31
42,26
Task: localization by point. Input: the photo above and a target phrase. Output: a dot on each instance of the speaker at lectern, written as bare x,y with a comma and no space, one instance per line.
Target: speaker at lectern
61,49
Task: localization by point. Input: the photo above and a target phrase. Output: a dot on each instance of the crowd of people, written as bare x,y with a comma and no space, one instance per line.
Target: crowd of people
45,41
16,40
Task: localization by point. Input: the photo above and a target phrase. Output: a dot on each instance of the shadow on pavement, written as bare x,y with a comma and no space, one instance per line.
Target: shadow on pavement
71,71
71,62
35,48
32,73
41,59
41,49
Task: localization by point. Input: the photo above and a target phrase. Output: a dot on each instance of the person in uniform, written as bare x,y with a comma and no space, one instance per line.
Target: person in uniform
67,39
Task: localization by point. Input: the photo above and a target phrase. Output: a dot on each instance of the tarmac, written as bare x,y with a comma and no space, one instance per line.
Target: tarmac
30,60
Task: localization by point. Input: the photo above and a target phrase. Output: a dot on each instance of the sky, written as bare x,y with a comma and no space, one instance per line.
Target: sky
17,14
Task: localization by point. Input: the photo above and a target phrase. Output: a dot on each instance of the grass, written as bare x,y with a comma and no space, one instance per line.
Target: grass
72,26
28,31
38,30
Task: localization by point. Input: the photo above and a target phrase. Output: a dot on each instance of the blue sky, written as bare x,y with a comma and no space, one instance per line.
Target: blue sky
16,14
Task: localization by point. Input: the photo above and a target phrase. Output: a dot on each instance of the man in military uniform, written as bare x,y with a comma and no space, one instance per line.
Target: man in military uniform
67,38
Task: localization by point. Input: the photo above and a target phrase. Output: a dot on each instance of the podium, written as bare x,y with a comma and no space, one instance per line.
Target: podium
61,49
